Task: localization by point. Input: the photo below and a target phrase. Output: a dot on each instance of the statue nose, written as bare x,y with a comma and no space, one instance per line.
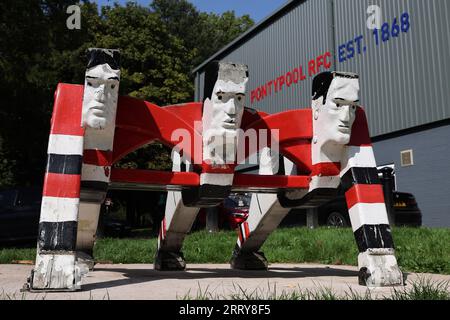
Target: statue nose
230,107
100,94
345,114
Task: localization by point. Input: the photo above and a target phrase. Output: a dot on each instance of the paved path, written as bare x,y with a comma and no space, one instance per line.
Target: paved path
140,281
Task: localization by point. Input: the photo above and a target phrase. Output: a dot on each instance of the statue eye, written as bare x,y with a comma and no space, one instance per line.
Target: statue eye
113,86
338,105
239,98
219,96
354,107
89,84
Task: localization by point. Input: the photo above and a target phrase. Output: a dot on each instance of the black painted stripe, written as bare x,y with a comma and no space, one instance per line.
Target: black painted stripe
57,236
357,175
64,163
373,237
207,195
97,186
315,198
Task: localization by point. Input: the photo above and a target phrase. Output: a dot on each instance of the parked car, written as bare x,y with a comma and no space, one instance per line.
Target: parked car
232,212
19,214
406,211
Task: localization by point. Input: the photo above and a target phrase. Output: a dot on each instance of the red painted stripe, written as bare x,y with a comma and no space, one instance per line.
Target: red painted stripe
62,185
247,230
155,177
164,227
66,117
326,169
253,180
364,193
225,168
97,157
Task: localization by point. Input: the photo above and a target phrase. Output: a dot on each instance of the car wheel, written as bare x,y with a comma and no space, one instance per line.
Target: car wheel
337,220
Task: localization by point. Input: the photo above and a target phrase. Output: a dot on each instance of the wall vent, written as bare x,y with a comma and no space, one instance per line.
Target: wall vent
406,157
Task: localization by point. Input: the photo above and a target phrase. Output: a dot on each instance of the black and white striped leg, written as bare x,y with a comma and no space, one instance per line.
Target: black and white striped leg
376,260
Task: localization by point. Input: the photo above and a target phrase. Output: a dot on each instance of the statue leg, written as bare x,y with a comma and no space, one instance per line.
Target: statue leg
265,215
364,194
56,267
175,226
94,185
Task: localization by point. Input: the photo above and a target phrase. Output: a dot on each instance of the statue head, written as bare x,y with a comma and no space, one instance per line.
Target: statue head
334,102
101,88
224,100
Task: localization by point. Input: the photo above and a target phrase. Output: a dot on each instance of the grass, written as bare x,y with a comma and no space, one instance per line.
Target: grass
422,289
417,249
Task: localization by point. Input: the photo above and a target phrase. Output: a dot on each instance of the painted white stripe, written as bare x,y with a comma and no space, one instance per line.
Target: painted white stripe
324,182
55,209
65,144
368,213
361,157
91,172
242,229
218,179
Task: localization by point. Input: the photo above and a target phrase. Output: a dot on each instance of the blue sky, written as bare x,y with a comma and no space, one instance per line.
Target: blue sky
257,9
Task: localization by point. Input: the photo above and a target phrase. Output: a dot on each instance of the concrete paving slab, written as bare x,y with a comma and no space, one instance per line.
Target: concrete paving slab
142,282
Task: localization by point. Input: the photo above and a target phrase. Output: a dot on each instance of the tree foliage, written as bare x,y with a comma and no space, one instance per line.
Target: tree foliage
160,45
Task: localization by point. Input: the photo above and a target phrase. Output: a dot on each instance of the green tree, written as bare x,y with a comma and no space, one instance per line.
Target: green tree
160,45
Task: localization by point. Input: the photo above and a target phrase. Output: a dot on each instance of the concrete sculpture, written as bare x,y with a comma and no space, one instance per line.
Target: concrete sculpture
336,160
223,108
312,153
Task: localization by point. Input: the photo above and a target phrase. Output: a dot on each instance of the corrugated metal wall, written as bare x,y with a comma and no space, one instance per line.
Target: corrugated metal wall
403,80
429,178
299,36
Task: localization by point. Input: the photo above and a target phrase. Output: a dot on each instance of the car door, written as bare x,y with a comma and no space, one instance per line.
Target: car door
8,199
26,220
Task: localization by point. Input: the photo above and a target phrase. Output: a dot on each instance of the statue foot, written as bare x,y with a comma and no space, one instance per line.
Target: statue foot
169,261
249,261
85,261
378,268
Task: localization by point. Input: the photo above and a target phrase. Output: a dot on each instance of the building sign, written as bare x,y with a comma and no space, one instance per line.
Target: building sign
389,31
293,77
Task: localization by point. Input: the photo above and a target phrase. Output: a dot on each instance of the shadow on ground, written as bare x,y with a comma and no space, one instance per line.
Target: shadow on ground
141,275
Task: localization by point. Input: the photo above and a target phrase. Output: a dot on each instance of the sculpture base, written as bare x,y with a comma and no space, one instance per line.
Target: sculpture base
85,261
249,261
378,268
55,272
169,261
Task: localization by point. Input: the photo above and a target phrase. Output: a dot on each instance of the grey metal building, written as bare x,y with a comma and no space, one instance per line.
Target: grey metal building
403,66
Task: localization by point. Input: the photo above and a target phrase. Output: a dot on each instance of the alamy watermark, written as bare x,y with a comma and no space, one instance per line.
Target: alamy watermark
375,17
74,20
238,147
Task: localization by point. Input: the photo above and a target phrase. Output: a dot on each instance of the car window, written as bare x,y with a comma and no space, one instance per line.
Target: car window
29,197
8,198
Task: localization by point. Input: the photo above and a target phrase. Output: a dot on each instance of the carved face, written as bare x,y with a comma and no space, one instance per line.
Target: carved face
100,96
336,117
227,106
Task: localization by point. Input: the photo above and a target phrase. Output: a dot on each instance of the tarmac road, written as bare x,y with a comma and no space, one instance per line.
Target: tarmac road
141,282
